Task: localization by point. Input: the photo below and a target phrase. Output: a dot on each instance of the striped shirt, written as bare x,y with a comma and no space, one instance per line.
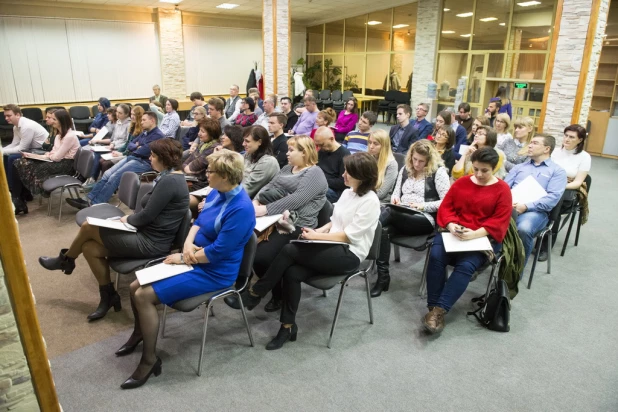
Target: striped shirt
170,124
306,194
356,141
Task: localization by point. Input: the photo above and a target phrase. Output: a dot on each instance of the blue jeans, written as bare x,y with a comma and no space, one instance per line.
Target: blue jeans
105,188
8,165
96,167
528,225
332,196
84,142
444,293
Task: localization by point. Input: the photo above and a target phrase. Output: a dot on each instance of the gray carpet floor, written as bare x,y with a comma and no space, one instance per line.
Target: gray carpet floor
560,355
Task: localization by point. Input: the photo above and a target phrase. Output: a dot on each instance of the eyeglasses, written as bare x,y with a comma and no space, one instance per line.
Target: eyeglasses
420,108
209,172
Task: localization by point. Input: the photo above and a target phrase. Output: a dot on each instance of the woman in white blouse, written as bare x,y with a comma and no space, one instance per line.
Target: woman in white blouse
380,148
353,224
502,125
421,185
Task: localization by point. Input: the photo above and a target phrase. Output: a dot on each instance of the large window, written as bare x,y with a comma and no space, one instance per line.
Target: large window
369,53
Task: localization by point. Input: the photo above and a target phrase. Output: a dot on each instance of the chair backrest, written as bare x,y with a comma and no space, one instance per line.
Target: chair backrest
128,189
95,110
246,265
182,132
374,251
183,231
379,92
355,90
315,94
325,213
33,113
85,161
76,158
144,188
401,160
56,108
368,92
79,112
336,95
324,94
347,94
555,212
402,97
391,95
144,106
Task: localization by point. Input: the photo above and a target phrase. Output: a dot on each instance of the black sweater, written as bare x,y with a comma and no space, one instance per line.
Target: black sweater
331,164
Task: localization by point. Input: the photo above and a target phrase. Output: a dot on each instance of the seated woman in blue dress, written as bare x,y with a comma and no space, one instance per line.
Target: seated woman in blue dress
214,247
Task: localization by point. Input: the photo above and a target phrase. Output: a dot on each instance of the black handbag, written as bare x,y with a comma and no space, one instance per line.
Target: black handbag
494,310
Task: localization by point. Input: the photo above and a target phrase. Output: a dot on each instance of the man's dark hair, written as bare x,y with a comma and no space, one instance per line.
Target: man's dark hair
548,140
465,106
371,116
14,108
195,96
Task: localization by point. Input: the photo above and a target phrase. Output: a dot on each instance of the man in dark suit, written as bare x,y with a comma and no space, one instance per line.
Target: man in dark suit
276,123
421,124
158,96
403,134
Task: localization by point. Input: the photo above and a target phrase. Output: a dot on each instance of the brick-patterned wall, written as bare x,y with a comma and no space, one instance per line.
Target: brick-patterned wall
594,61
16,391
277,33
567,65
172,53
425,54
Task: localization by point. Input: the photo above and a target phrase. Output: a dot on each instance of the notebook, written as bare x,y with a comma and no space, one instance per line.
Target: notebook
264,222
112,223
202,192
327,242
160,272
528,190
403,208
109,156
454,244
101,149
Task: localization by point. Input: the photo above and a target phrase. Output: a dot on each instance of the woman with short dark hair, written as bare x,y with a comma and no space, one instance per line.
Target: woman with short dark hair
476,205
260,164
171,121
352,224
246,117
163,209
232,139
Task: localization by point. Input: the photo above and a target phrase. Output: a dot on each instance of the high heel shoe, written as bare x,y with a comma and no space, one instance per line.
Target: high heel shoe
62,262
109,298
127,349
382,284
283,336
136,383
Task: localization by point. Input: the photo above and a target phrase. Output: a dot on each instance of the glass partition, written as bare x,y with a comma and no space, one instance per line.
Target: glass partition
333,72
402,66
379,31
334,37
354,71
491,22
355,34
377,71
315,39
456,25
404,27
531,26
451,66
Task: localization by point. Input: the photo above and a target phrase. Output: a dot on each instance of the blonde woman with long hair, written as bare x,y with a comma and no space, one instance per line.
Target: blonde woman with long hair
421,185
380,148
502,125
516,148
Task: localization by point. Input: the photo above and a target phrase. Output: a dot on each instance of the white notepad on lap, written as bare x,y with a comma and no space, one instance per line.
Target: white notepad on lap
264,222
453,244
160,272
111,224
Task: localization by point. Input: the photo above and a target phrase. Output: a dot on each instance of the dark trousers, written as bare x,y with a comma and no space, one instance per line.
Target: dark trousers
265,254
17,188
8,166
444,293
297,262
394,223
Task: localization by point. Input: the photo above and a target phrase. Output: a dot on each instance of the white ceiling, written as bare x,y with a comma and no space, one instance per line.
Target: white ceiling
303,11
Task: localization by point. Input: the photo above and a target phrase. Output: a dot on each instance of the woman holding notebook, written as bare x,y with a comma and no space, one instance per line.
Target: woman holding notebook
163,209
475,206
352,224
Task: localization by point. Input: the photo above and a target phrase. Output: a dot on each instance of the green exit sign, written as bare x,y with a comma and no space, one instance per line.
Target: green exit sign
521,85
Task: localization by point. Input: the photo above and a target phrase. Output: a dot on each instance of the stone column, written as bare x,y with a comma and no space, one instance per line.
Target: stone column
568,59
426,48
172,53
277,29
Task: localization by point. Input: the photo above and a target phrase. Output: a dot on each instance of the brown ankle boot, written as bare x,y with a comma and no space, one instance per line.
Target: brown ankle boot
434,320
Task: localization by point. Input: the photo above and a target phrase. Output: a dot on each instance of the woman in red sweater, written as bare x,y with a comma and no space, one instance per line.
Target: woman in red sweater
477,205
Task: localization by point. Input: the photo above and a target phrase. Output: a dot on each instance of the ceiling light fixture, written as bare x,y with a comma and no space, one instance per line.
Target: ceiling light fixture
529,3
465,35
400,26
170,1
227,6
468,14
502,24
374,23
486,19
448,32
447,9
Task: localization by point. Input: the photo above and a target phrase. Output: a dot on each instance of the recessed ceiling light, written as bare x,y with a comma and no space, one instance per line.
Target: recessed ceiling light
227,6
465,35
447,9
400,26
502,24
448,32
374,23
170,1
529,3
489,19
465,14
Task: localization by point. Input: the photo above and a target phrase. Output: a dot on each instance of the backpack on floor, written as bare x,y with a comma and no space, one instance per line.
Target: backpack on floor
494,310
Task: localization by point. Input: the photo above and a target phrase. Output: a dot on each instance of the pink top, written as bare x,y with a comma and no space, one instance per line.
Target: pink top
346,122
65,148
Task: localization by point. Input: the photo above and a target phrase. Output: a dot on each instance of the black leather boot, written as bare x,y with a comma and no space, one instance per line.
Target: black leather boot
20,206
62,262
109,298
384,278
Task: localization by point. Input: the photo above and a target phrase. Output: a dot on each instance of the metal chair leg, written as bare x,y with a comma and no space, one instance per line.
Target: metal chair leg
536,258
324,293
60,205
549,249
568,235
244,316
579,226
163,321
366,276
199,363
397,256
332,329
49,203
117,280
423,289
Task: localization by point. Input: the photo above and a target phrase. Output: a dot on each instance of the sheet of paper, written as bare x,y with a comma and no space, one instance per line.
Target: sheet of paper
463,149
78,133
264,222
454,244
528,190
405,209
42,158
202,192
108,156
101,149
102,133
112,224
328,242
160,272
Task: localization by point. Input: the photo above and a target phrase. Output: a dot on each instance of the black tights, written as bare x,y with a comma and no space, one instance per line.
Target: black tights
144,303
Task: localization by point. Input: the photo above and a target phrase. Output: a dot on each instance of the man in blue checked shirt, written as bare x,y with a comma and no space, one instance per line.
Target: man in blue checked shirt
533,217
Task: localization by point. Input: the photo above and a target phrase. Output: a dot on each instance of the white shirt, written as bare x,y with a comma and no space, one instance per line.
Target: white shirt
502,137
571,162
357,217
28,134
